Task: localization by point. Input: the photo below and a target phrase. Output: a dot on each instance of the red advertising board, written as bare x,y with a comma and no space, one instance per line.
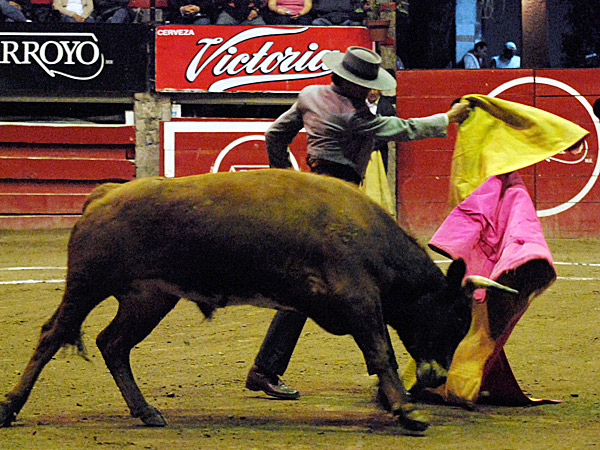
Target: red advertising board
240,58
194,146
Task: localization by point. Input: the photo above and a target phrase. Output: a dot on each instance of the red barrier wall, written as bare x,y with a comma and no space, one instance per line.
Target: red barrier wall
46,171
564,189
193,146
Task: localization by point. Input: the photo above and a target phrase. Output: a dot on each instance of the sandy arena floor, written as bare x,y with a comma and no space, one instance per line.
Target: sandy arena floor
194,371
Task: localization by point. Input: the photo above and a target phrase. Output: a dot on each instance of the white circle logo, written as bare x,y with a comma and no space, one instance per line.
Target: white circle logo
565,87
236,142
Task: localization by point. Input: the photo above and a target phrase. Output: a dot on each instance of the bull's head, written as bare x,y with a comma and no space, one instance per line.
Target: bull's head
432,325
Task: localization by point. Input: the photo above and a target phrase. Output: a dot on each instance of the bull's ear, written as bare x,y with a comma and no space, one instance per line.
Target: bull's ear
456,273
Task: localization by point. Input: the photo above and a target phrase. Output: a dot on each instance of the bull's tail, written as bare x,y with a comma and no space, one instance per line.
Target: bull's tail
99,192
62,329
71,337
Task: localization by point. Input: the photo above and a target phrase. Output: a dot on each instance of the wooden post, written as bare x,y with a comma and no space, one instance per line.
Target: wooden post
149,110
387,49
535,34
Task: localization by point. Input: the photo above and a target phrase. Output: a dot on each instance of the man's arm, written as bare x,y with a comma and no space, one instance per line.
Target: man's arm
88,8
394,128
280,135
61,7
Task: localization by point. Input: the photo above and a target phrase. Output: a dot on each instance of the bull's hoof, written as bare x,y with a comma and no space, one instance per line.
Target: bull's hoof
153,418
411,418
7,415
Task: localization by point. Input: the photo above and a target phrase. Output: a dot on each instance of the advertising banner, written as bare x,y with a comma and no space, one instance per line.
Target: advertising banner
55,59
241,58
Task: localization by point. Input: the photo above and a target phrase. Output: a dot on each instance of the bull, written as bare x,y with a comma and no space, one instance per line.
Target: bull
272,238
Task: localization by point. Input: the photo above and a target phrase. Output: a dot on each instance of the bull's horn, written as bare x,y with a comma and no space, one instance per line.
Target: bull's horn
473,282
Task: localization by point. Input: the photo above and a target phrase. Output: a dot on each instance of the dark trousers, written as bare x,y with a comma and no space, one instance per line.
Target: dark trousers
285,329
281,339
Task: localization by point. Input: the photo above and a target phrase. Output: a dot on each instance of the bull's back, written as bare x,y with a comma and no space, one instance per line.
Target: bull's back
244,226
284,197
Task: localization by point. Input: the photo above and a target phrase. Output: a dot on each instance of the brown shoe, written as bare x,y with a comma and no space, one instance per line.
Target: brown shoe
270,385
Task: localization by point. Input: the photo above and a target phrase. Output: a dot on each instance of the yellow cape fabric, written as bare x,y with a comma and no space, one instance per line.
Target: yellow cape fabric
500,137
468,364
375,184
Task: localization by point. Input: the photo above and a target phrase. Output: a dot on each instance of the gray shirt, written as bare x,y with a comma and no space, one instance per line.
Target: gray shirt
341,129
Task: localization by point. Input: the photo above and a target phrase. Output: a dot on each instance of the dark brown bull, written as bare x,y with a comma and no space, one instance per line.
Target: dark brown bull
273,238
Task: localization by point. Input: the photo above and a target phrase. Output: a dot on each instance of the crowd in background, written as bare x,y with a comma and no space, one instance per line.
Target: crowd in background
476,57
231,12
195,12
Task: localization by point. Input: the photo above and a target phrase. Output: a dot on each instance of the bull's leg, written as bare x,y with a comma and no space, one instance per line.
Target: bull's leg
62,328
139,313
370,335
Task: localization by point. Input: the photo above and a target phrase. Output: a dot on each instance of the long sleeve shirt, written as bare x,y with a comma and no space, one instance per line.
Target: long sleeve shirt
341,129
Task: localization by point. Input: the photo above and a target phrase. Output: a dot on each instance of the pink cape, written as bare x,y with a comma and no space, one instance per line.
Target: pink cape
497,232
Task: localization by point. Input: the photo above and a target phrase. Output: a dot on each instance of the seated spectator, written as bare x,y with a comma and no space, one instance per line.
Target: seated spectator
474,58
338,12
288,12
240,12
113,11
508,59
190,12
14,10
78,11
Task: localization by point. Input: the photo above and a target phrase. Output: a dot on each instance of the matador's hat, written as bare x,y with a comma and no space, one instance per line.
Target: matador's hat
360,66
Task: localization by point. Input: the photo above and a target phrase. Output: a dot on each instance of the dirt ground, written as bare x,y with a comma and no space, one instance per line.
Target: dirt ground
194,370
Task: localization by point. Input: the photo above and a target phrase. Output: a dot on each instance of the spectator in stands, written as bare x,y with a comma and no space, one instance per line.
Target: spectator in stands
241,12
78,11
508,59
288,12
113,11
190,12
474,58
15,10
338,12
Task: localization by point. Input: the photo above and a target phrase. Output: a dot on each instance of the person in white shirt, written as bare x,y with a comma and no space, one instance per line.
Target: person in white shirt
473,59
508,59
78,11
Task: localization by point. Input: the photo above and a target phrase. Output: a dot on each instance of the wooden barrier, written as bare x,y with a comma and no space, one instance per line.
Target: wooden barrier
47,171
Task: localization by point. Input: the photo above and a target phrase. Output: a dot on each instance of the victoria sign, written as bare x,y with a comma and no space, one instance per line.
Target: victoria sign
238,58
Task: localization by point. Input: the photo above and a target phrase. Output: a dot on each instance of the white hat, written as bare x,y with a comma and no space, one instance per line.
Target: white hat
511,46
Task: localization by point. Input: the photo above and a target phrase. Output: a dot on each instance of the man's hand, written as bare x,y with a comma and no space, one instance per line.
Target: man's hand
458,112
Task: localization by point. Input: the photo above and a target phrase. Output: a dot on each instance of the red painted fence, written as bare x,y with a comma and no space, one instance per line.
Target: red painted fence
564,189
46,171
